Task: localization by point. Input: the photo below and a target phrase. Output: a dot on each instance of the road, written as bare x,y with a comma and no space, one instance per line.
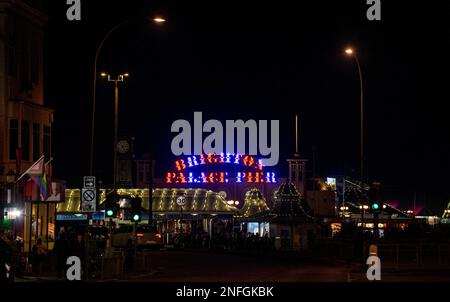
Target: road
185,266
208,266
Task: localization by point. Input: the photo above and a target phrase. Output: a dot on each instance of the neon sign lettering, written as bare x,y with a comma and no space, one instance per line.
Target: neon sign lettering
220,177
211,159
253,170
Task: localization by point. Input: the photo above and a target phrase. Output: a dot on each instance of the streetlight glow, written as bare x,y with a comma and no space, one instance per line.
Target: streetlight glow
103,74
349,51
159,20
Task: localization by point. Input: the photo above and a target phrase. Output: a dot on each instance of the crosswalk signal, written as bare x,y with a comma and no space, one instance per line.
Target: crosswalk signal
110,209
136,209
374,195
375,206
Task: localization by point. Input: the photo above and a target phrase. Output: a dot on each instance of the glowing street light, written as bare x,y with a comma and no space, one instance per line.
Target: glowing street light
350,52
159,20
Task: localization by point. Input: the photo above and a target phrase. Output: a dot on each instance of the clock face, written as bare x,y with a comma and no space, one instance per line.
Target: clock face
123,147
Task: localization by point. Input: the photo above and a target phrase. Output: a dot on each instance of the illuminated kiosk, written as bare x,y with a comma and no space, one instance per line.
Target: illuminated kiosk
292,225
253,216
446,215
201,209
212,185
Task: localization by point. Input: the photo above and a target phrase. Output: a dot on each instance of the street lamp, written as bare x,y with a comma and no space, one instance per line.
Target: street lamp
159,20
119,78
94,86
350,52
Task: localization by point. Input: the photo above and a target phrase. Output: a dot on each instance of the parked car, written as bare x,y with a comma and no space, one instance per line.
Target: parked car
146,236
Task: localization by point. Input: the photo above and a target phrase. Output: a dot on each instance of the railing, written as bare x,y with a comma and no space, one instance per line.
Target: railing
419,254
143,262
415,254
112,265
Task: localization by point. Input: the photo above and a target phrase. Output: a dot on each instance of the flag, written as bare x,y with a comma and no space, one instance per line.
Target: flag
43,188
48,172
29,190
41,182
35,170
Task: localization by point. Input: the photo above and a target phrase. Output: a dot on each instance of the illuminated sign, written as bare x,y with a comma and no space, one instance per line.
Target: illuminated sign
250,170
210,159
331,181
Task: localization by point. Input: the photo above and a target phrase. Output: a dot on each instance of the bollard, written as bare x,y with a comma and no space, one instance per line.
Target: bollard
397,250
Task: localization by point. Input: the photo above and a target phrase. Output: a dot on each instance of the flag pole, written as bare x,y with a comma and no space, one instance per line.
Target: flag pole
32,166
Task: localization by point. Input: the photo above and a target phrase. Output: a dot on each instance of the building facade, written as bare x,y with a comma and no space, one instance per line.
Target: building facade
26,124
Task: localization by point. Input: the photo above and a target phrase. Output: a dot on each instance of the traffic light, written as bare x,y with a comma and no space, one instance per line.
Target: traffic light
110,208
375,206
109,213
136,209
374,195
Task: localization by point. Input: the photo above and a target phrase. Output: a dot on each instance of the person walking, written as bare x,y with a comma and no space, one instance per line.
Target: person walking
38,257
61,252
78,248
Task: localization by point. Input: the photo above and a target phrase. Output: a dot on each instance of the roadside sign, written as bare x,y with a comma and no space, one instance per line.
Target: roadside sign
88,200
181,201
89,182
98,216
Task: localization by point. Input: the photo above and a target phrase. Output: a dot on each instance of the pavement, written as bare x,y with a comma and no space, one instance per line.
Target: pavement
230,266
208,266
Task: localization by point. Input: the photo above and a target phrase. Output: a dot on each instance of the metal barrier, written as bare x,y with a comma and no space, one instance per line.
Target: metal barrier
112,266
409,254
142,262
424,254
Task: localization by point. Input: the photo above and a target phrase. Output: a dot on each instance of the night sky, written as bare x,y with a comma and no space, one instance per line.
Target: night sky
262,60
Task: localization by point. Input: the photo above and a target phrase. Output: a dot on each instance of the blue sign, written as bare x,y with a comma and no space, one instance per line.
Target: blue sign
98,215
63,217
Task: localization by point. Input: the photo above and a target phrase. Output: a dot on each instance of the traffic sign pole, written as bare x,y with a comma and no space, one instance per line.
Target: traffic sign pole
181,201
89,194
181,219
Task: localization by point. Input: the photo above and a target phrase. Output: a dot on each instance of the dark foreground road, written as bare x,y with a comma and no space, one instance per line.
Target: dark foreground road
212,267
207,266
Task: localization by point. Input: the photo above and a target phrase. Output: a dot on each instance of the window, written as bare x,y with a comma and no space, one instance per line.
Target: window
12,57
25,72
25,140
36,141
35,63
47,142
13,138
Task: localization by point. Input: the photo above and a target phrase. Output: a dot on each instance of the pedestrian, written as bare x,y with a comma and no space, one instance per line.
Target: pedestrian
61,252
129,256
38,257
78,248
4,251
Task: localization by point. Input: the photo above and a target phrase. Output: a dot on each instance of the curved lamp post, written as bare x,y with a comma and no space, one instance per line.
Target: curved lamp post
350,52
94,87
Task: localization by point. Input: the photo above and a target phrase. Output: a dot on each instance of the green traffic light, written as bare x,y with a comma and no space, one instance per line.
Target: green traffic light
375,206
136,217
109,212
